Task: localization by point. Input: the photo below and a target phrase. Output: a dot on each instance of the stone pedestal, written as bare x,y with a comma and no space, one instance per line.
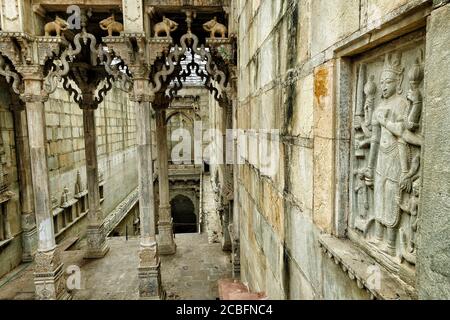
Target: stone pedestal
49,277
149,274
166,243
29,244
97,245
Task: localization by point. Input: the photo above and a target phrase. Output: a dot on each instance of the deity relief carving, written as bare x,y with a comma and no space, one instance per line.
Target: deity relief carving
387,140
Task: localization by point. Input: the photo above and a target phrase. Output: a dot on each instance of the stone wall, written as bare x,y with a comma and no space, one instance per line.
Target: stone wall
298,73
116,133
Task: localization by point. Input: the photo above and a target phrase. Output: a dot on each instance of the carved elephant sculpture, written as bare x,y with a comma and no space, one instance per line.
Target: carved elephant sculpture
215,27
55,27
111,25
166,26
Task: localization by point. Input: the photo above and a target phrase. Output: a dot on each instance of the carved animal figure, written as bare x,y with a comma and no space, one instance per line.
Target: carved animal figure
111,25
215,28
55,27
166,26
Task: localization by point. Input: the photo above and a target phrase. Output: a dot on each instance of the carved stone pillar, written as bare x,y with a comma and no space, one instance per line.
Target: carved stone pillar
29,230
166,242
48,274
97,245
149,263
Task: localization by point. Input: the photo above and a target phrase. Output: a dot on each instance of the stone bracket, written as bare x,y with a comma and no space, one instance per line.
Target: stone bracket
225,48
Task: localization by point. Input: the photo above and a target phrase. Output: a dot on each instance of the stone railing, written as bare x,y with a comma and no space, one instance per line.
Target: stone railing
121,211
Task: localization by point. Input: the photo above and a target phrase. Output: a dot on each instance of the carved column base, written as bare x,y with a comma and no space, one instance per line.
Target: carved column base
97,245
49,277
149,273
29,244
166,243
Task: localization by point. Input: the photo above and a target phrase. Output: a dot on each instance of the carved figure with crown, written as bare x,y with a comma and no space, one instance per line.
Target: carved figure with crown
388,165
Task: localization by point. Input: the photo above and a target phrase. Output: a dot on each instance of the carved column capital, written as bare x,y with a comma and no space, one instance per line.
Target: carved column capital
17,46
29,98
31,72
141,91
49,47
33,78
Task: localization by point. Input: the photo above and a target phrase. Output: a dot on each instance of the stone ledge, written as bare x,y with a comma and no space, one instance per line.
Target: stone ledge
360,267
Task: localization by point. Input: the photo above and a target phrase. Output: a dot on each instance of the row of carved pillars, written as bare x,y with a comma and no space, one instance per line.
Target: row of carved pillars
34,182
49,272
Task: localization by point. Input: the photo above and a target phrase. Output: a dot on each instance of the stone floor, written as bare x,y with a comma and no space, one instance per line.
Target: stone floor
192,273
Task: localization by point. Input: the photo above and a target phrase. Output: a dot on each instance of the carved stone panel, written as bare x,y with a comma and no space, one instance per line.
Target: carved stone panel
387,138
11,15
133,16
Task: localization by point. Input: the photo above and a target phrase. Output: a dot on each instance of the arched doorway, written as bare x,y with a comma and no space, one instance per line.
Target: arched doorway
183,213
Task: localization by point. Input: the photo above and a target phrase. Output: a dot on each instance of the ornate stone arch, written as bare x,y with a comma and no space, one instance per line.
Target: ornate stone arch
191,196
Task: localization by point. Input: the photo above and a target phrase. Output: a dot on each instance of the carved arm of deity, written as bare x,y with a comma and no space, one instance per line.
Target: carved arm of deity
416,100
374,144
406,183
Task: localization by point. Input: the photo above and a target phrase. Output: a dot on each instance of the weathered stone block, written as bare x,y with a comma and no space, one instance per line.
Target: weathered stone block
324,102
324,184
303,113
332,21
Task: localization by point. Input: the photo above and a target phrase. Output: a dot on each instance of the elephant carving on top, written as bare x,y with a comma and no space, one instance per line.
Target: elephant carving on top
111,25
166,26
55,27
215,27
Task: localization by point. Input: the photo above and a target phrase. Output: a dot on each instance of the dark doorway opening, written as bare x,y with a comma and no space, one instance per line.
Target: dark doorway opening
183,213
